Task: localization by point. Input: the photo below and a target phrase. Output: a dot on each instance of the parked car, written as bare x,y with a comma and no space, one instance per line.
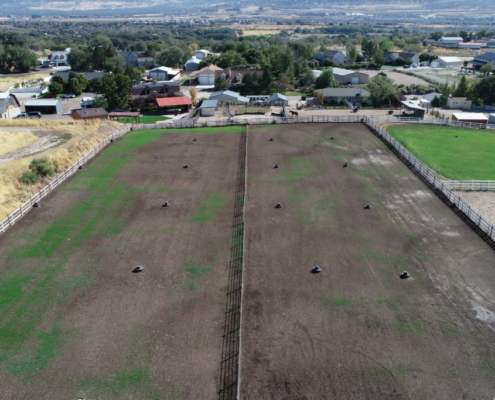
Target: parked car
34,114
22,115
50,96
69,96
407,66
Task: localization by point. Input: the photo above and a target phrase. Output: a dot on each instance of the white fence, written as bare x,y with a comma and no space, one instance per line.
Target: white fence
470,185
177,124
478,219
27,206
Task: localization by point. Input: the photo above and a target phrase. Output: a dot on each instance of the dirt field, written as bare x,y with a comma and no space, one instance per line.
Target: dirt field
76,322
356,331
397,77
484,202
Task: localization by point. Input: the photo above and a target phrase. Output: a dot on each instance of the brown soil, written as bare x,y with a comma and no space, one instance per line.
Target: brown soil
356,331
167,320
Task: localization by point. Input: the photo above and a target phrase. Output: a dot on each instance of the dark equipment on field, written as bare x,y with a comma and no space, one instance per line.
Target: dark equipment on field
271,139
111,140
36,205
195,140
404,275
165,204
367,207
276,166
345,165
390,112
316,269
81,167
137,269
331,138
186,166
279,205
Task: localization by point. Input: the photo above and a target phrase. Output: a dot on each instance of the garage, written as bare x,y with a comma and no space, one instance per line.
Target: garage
44,106
355,80
208,108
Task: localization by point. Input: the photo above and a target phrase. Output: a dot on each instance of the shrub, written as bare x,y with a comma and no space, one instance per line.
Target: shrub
303,98
29,178
43,167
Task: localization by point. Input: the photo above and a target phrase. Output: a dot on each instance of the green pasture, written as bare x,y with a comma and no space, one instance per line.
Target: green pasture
455,153
147,119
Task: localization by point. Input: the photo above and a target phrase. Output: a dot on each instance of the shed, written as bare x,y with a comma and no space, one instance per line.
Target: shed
278,99
163,73
459,102
90,113
192,64
174,102
44,106
410,109
346,76
229,96
491,119
475,118
447,62
208,108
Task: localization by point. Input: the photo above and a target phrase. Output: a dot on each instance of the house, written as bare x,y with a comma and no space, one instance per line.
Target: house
89,113
459,102
350,95
208,108
183,102
202,54
59,58
347,77
452,42
470,45
391,57
235,75
135,59
447,62
89,75
9,106
158,89
475,118
164,73
426,99
482,60
334,57
206,75
278,99
192,64
228,96
44,106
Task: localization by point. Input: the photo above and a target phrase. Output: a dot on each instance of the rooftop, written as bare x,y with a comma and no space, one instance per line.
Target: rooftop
209,104
173,101
475,116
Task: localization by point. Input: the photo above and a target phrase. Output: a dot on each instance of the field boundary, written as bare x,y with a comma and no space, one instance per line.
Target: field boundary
476,185
230,366
18,213
310,119
475,219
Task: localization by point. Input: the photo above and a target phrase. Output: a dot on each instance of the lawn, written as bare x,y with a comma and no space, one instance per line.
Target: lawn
294,93
147,119
455,153
252,110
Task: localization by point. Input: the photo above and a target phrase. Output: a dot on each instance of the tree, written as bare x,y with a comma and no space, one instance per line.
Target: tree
134,74
386,45
221,84
487,69
483,92
368,48
57,79
351,54
326,80
435,102
83,81
229,59
20,58
43,167
463,88
79,59
74,86
319,98
379,58
171,57
116,88
194,96
100,102
55,88
283,83
382,90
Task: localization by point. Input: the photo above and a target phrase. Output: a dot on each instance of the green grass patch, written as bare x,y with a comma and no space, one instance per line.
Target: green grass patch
455,153
223,129
147,119
252,110
294,93
211,204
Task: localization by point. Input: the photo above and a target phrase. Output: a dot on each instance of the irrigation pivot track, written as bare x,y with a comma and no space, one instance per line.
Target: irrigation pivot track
229,371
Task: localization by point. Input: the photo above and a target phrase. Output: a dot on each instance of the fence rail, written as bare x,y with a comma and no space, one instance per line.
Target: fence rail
470,185
309,119
433,179
12,218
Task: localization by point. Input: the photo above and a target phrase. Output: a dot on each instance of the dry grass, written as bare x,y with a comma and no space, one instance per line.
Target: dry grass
85,136
9,81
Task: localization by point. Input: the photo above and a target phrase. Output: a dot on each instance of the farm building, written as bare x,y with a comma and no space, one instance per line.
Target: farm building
278,99
164,73
338,95
412,109
89,75
426,99
345,76
192,64
90,113
470,45
44,106
491,119
229,96
174,102
202,54
208,108
9,106
451,41
475,118
447,62
459,102
155,88
482,60
206,75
